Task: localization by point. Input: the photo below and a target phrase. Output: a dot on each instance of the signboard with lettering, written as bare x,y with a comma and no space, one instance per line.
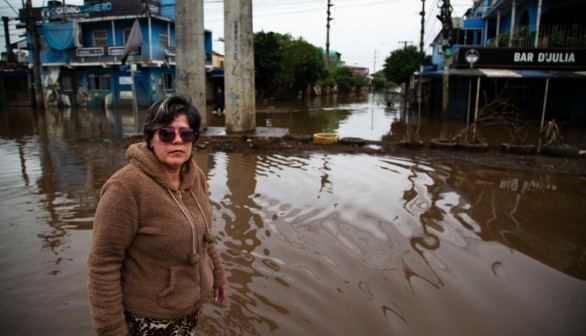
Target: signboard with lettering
125,80
89,52
126,95
61,11
545,59
118,51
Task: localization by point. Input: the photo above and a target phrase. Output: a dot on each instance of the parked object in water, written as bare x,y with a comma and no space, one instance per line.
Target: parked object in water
325,138
553,142
562,150
350,141
438,143
392,96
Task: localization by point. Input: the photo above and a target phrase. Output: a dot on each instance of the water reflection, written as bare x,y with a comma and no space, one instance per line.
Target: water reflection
414,226
313,243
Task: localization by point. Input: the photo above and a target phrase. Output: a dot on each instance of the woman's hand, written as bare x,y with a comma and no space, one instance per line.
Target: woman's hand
220,294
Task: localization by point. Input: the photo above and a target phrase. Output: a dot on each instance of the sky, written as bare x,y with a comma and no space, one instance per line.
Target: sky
365,32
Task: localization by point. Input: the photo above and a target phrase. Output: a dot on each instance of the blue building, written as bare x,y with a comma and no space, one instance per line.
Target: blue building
536,48
82,48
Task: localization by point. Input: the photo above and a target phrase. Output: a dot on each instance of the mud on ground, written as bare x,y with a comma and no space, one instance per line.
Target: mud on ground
302,145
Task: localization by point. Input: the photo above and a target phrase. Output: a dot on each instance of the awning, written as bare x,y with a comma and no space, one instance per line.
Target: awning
500,73
506,73
217,73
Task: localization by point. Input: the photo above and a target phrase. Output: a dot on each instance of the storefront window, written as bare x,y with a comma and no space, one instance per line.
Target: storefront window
99,82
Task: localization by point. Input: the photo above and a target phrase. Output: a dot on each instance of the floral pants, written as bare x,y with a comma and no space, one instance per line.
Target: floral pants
144,326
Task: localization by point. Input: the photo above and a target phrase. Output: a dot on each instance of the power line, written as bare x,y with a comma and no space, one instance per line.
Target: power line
10,5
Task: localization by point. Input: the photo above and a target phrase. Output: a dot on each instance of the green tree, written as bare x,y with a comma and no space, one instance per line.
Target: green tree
268,60
285,62
303,64
345,79
329,78
379,81
360,81
402,63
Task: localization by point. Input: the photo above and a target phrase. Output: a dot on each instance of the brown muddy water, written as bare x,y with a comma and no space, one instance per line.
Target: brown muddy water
314,244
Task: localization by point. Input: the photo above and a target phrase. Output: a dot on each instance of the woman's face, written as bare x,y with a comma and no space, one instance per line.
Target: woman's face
173,154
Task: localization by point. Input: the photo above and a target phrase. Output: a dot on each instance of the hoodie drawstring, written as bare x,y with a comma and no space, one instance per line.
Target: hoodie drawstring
209,236
194,257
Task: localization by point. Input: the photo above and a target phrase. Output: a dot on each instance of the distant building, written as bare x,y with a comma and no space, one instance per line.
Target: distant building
523,44
82,48
217,60
335,57
363,71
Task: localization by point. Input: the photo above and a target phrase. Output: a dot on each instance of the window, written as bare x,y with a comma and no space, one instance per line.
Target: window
466,36
99,82
168,81
125,35
100,38
164,40
66,83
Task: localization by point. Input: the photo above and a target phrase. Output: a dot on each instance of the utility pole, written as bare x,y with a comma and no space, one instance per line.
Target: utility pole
35,46
404,43
374,63
328,36
445,17
239,66
422,13
190,69
9,52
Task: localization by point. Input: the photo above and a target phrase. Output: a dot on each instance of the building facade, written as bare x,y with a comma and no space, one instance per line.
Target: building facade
531,51
82,49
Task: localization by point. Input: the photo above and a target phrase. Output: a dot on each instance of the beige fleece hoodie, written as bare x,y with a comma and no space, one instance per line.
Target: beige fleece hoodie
142,240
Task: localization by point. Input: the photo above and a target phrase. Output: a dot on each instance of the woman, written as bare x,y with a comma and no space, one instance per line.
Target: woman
153,259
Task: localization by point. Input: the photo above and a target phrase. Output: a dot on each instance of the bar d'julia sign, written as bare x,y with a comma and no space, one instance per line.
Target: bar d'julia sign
552,59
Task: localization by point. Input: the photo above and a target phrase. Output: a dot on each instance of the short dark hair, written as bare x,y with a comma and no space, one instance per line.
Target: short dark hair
163,112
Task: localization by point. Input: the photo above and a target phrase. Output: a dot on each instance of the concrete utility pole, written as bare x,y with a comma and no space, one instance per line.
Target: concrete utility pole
374,63
239,66
190,75
445,17
9,52
36,55
328,36
422,13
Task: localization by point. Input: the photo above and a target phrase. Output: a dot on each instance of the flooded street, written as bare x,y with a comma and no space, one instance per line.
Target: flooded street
313,244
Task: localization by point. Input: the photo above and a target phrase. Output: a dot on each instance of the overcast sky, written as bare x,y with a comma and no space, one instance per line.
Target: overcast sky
363,31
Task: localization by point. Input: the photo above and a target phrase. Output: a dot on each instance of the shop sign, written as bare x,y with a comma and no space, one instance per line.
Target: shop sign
547,59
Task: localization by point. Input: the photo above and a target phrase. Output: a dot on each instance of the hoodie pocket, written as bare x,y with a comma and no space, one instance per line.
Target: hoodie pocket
183,289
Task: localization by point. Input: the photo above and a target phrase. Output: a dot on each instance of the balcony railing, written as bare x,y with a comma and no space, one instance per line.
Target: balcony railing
102,55
113,54
550,36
